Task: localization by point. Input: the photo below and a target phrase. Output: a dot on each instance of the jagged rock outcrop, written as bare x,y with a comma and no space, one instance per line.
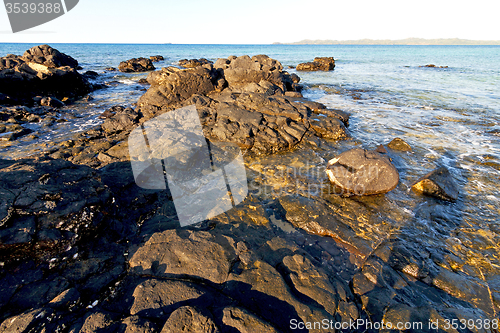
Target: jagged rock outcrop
241,100
50,57
43,71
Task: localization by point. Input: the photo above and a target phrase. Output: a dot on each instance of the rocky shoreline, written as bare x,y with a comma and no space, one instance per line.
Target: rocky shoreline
84,249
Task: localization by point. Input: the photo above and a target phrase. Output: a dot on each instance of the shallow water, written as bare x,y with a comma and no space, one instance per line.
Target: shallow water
449,116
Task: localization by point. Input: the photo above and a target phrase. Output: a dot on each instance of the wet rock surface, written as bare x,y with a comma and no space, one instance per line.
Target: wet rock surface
399,144
293,250
319,64
138,270
47,205
42,70
362,172
438,183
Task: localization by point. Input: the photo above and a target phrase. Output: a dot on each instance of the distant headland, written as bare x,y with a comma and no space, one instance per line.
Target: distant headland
406,41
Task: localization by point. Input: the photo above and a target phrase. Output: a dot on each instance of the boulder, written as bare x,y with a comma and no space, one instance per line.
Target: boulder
91,75
319,64
192,63
362,172
399,144
156,58
136,65
438,183
50,57
52,102
240,71
44,71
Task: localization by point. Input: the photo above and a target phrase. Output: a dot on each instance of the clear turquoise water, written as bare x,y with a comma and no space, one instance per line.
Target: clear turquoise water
449,116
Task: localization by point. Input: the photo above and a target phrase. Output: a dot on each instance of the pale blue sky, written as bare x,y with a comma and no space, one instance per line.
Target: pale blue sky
260,21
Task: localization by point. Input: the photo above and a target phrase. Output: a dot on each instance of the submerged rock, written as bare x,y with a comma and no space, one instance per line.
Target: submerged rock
433,66
319,64
362,172
136,65
399,144
438,183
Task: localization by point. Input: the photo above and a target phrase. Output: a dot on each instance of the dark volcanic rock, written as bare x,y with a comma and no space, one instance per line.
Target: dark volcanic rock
172,85
52,102
438,183
240,99
118,118
41,71
330,128
156,58
361,172
52,58
136,65
192,63
319,64
47,205
153,296
15,134
240,71
199,255
91,75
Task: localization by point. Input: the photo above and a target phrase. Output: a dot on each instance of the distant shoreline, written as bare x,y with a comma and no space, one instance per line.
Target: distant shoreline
406,41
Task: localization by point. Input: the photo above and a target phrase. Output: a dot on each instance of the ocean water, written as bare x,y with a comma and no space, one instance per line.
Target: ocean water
449,116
